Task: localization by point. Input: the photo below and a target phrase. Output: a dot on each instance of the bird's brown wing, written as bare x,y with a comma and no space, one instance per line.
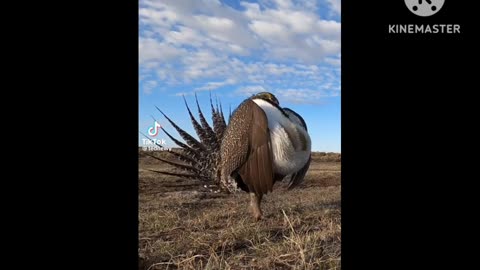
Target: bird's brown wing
298,177
246,148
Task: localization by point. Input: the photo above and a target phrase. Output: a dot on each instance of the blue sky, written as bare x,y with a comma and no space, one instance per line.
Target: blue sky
233,49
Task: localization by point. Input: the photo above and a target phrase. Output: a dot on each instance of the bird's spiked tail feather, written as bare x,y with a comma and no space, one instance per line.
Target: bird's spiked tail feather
200,156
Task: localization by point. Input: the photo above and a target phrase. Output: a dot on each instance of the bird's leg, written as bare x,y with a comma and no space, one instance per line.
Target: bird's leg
255,205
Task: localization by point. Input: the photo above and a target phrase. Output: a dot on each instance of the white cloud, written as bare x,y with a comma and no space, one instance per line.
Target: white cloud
215,85
288,30
149,49
329,29
284,3
179,94
216,24
250,90
277,44
336,5
300,96
333,61
148,86
275,69
163,18
285,26
271,32
184,36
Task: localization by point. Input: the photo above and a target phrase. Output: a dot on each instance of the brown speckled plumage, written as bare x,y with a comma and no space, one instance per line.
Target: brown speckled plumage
245,151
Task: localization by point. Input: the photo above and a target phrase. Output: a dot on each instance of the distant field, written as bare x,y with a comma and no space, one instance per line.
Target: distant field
183,225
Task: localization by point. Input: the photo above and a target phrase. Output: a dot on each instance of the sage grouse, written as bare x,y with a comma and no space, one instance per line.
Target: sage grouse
262,143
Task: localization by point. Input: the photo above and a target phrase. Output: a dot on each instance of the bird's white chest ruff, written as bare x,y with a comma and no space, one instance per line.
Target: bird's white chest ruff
291,143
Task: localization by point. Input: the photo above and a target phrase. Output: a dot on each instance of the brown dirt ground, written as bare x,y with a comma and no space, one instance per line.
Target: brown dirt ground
182,225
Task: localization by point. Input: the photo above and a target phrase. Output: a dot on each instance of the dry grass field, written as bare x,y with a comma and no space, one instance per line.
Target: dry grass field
182,225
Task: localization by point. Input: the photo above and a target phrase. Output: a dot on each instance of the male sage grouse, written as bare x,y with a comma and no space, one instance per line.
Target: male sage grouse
263,143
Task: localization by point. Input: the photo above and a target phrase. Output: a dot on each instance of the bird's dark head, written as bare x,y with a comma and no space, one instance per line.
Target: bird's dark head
267,96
